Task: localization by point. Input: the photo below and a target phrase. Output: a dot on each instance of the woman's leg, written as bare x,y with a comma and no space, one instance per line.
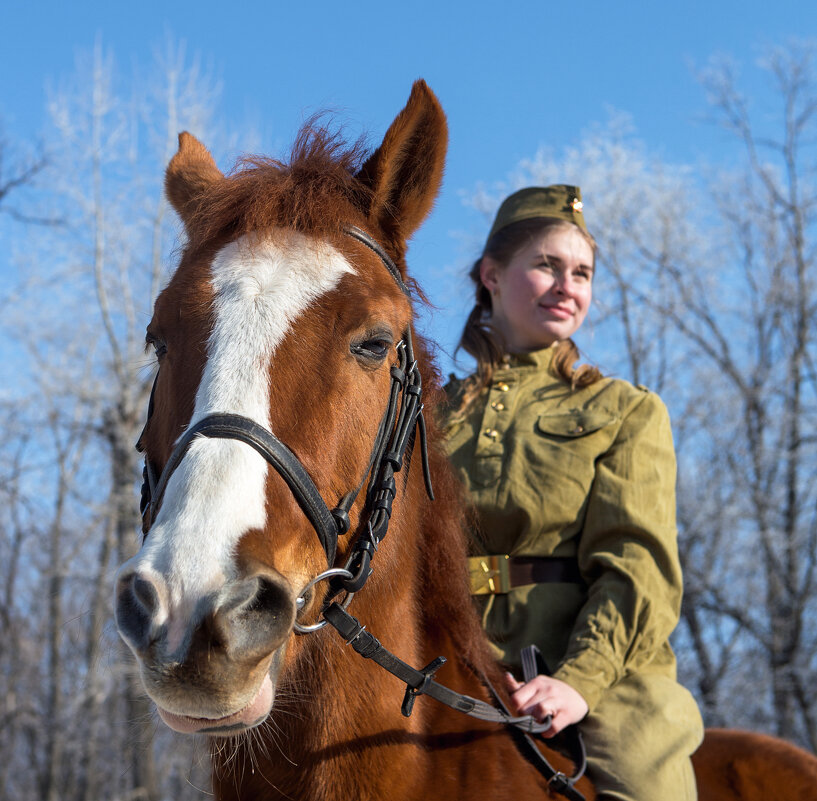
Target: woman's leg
639,740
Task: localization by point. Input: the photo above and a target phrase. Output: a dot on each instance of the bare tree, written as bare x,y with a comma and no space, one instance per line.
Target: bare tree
79,319
771,216
17,172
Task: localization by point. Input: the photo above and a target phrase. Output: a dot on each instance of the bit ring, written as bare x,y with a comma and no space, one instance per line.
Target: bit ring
299,601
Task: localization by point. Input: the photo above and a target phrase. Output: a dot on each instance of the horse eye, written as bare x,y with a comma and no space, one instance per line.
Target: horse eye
379,347
375,349
159,347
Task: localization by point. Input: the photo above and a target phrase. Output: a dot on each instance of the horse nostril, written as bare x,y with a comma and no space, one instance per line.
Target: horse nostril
145,593
270,598
237,595
254,615
137,604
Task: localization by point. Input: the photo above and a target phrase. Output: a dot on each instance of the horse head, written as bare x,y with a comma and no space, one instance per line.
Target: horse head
283,313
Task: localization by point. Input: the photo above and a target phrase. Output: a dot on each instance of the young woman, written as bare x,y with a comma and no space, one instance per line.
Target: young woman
572,480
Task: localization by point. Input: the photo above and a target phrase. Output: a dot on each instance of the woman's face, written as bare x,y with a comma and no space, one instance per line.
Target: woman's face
543,294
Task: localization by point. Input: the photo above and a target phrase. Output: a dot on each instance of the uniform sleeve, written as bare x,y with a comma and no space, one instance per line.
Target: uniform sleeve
628,554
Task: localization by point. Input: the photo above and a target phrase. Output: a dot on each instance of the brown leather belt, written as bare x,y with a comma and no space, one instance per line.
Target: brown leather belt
499,573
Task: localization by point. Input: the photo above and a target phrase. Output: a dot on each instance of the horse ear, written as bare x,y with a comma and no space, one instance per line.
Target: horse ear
190,172
404,174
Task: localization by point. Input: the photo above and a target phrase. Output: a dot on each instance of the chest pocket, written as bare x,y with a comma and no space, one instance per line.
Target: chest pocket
561,461
566,446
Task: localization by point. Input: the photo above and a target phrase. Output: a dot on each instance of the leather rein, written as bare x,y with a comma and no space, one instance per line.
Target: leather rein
392,447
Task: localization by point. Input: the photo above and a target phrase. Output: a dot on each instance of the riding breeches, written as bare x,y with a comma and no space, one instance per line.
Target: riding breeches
639,740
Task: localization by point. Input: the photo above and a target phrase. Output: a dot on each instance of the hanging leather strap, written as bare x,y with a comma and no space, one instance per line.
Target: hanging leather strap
421,682
570,739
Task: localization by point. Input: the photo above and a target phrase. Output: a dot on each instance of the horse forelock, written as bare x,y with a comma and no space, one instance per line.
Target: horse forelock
314,191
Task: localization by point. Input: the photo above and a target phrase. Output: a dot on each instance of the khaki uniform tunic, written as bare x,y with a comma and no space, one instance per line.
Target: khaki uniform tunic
590,474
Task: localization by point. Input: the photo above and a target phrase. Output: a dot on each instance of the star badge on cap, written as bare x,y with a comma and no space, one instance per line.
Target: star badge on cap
576,204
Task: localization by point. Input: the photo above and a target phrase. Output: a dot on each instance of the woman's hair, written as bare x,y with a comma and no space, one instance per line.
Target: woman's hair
484,342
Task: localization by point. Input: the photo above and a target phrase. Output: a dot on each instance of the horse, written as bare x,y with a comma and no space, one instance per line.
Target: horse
282,313
736,765
285,339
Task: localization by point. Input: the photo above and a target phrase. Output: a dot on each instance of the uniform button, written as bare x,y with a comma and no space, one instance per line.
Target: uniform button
498,406
491,433
502,386
578,429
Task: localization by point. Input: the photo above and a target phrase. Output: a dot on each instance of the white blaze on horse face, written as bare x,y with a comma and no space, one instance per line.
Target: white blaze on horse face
218,491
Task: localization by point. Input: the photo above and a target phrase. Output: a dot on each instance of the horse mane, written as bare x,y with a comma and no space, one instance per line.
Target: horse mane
444,546
311,191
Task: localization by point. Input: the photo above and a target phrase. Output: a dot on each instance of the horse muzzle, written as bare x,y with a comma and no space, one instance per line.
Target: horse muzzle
210,666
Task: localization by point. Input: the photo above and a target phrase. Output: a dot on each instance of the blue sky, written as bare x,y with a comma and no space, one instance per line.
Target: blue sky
511,76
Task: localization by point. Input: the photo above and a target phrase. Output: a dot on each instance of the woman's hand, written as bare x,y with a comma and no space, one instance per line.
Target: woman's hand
543,696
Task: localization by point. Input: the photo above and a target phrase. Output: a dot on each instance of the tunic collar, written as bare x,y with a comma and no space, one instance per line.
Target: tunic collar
535,360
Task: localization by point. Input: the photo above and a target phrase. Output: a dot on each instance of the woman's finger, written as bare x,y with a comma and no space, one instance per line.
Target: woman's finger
511,683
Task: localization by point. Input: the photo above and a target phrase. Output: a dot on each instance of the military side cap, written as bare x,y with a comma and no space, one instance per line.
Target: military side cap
560,201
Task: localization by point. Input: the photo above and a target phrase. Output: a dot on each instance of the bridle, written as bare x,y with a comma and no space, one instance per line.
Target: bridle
393,445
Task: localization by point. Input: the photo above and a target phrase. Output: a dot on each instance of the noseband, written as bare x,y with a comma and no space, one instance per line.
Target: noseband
392,445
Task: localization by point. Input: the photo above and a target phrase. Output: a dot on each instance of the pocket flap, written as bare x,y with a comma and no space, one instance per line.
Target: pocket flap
574,423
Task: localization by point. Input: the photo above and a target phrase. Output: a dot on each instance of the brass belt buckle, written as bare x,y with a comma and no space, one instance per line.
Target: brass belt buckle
490,574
